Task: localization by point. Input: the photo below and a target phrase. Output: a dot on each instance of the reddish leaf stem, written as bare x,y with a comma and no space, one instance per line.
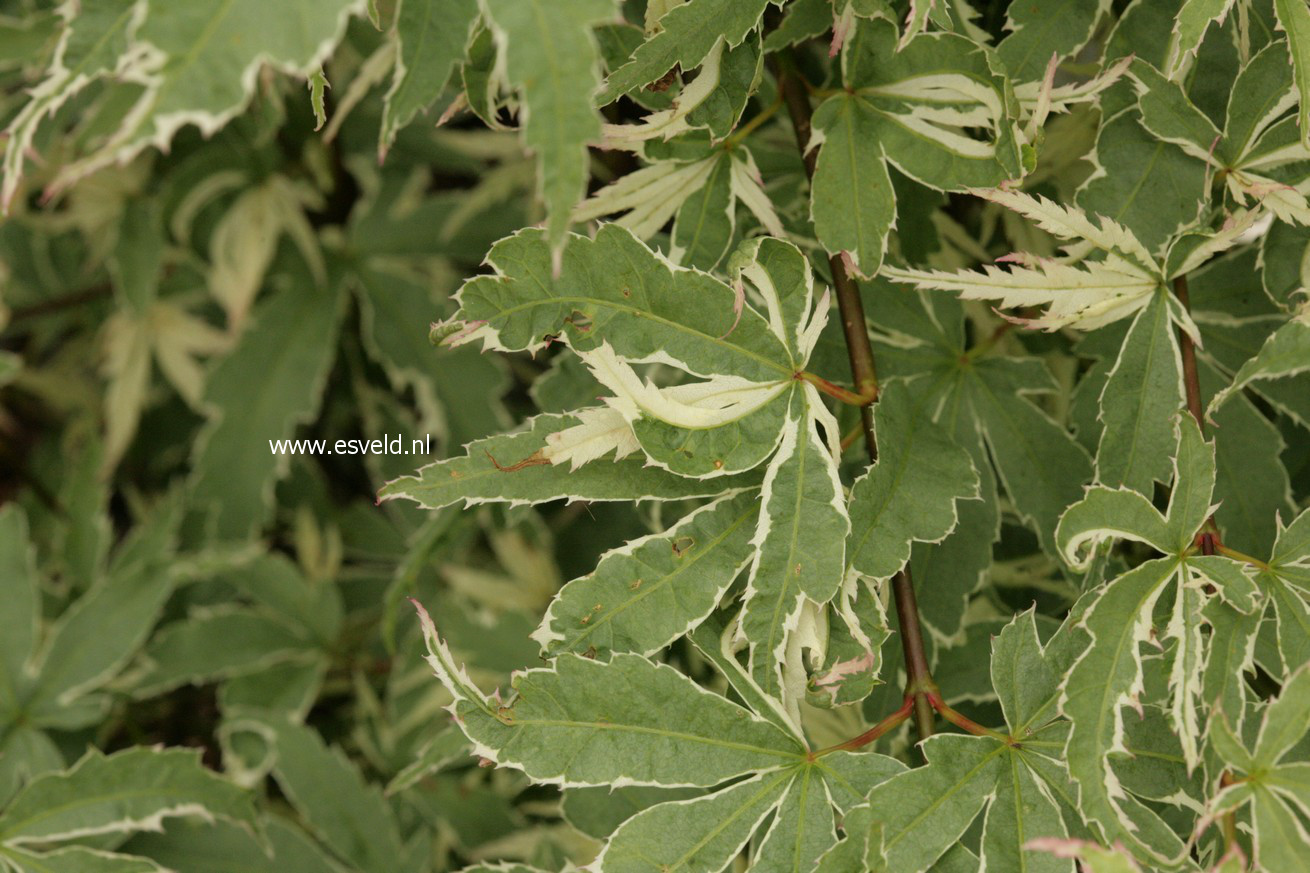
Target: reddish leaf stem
872,733
836,391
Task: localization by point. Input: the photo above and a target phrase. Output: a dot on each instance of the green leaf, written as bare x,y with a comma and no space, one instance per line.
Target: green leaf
1230,579
701,834
347,813
1104,514
1152,187
687,33
217,645
95,637
1194,481
598,812
138,256
803,827
802,20
1025,682
431,35
1286,720
219,848
1041,467
77,859
1294,20
287,352
922,95
801,539
487,472
20,616
1250,489
706,220
89,47
1038,31
1232,650
1022,812
1167,112
1189,29
910,494
552,57
587,723
1285,353
615,290
202,67
653,590
1107,677
128,791
1141,396
852,203
923,811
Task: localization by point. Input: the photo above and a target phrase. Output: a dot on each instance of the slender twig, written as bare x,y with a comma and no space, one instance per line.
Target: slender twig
919,682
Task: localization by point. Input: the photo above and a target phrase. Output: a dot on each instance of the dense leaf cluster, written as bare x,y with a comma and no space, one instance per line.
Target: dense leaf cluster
863,435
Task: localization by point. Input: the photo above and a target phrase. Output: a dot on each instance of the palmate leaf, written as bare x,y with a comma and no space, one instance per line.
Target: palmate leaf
687,33
632,722
614,289
1257,138
913,819
628,721
983,403
1278,792
95,37
1109,675
910,107
1078,290
617,304
1038,31
705,833
199,65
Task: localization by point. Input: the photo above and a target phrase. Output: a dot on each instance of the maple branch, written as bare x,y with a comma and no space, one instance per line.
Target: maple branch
1192,385
1188,349
918,676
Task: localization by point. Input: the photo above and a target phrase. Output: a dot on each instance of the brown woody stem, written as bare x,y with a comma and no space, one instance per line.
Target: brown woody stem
1191,382
919,681
1192,385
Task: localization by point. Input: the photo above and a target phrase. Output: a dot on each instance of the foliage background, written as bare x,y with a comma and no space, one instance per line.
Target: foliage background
205,252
